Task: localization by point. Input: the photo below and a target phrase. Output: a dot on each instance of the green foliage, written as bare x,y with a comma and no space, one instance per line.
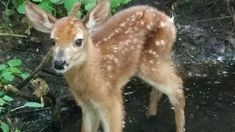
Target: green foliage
5,109
49,5
4,127
116,3
9,71
33,105
4,106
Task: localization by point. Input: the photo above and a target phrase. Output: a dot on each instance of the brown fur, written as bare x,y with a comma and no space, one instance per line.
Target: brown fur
136,41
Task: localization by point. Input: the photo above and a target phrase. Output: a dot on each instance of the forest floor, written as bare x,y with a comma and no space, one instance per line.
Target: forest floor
205,56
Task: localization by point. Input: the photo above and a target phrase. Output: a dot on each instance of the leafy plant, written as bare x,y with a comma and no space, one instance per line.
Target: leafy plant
5,109
4,105
115,4
49,5
4,127
9,71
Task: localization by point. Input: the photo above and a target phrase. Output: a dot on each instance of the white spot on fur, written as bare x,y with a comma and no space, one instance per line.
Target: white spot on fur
150,51
109,68
99,42
128,31
149,27
123,24
105,39
139,13
163,24
117,30
151,24
160,43
141,22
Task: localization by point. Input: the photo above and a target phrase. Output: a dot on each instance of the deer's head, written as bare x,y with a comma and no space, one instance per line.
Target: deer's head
70,35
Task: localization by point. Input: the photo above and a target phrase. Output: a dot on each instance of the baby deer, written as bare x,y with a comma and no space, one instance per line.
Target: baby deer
98,55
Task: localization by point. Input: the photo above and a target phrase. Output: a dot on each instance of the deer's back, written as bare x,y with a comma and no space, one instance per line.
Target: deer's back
123,40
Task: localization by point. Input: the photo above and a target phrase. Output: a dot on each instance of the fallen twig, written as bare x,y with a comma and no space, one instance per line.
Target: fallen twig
216,18
19,49
230,6
13,35
14,90
191,57
37,69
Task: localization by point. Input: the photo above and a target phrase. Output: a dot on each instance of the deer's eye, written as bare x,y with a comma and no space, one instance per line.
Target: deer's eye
78,42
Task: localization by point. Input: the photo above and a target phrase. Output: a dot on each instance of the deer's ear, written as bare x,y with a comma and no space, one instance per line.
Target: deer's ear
40,20
98,15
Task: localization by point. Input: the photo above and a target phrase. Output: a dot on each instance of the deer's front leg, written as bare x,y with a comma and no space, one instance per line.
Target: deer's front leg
111,113
90,120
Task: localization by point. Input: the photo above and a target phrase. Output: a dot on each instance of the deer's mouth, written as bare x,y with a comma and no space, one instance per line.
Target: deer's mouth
60,66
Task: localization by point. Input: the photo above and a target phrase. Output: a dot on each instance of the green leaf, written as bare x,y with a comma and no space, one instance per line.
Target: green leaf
8,76
55,1
2,102
8,12
2,93
68,4
14,70
86,2
14,62
24,75
116,3
7,98
37,0
90,6
2,66
21,8
79,14
47,6
33,104
17,130
4,126
2,108
16,3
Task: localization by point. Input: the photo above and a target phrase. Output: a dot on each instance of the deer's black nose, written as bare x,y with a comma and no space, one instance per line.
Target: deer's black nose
59,64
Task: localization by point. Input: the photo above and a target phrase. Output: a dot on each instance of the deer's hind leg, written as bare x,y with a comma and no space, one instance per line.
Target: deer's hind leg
163,78
154,99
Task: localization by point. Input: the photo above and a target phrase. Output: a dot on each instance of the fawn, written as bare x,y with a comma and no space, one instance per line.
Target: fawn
99,54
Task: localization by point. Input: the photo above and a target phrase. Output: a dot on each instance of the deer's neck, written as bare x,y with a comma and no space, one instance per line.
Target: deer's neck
81,76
